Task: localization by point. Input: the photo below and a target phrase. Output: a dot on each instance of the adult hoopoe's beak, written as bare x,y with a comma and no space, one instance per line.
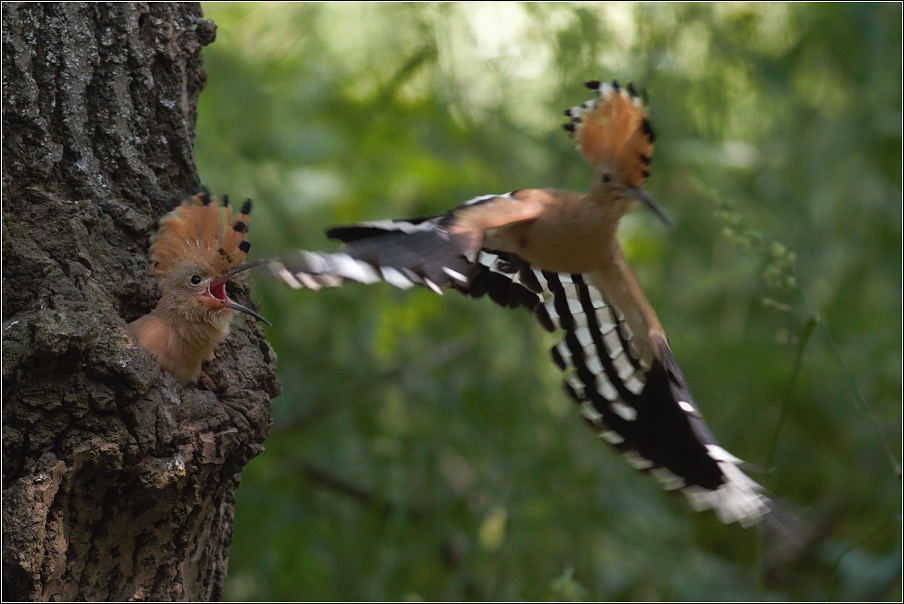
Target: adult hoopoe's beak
217,289
648,201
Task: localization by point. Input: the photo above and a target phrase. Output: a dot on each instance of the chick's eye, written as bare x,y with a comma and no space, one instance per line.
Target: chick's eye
196,280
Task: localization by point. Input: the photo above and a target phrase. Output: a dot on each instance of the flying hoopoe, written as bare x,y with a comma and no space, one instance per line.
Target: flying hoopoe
555,252
197,249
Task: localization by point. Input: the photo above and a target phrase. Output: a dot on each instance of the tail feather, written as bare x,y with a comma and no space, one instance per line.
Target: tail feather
786,533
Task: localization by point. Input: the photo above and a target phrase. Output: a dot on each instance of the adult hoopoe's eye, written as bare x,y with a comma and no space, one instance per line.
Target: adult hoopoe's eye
196,280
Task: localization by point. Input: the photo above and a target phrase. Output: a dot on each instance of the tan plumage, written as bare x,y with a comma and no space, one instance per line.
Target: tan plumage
615,134
197,248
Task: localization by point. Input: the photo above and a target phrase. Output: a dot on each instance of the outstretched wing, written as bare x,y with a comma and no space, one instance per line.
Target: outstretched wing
644,409
428,251
641,407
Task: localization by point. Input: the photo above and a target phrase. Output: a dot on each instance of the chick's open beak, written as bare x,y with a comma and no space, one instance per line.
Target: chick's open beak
217,289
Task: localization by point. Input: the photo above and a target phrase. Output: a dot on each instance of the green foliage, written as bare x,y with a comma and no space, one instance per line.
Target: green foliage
422,448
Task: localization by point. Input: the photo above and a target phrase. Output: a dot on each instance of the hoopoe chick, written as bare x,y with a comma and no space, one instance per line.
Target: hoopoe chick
555,252
197,249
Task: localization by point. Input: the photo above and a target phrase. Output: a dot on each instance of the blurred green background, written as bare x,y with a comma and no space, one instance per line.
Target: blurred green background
422,447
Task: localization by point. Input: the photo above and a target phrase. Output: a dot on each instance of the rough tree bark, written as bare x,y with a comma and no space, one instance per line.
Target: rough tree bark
117,482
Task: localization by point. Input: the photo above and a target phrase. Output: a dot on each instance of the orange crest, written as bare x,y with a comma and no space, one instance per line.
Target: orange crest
201,229
615,129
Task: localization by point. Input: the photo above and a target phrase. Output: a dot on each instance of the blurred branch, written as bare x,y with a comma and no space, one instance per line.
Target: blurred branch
855,389
849,549
439,357
368,499
780,275
426,54
805,334
302,421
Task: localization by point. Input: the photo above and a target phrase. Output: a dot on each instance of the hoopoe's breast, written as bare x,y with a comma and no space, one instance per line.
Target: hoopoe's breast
569,237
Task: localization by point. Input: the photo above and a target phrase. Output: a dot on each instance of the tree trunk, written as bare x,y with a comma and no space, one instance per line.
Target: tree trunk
118,483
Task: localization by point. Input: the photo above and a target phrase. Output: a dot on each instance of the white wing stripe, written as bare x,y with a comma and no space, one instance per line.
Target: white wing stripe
395,278
308,281
288,277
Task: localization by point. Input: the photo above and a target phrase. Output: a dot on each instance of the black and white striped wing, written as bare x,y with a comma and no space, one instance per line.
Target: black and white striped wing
404,253
641,407
644,408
